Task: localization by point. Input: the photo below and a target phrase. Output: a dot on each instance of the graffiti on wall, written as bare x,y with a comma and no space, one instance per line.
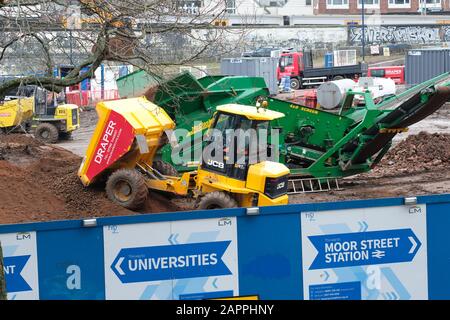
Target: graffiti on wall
396,34
294,37
446,33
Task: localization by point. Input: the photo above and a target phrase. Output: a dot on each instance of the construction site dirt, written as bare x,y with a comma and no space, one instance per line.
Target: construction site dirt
40,182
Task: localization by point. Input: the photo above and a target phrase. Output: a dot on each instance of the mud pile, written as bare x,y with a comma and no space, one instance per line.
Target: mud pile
39,182
417,153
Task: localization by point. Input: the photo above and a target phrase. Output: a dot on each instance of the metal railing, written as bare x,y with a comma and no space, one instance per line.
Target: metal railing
310,185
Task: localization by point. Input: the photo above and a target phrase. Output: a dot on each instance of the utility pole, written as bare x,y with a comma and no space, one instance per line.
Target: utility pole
71,47
3,295
363,41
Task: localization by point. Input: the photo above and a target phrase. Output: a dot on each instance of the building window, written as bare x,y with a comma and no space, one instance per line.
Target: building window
369,4
308,2
399,4
231,6
433,3
337,4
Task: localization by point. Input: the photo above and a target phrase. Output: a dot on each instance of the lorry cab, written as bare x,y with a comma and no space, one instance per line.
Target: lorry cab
290,64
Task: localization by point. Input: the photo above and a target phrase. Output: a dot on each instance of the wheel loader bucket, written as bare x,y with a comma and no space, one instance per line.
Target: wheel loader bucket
123,126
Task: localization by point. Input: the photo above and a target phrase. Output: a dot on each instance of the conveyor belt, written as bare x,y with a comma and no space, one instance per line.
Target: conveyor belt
403,116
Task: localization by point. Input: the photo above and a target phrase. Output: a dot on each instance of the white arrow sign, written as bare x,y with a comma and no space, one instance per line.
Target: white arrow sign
414,245
117,266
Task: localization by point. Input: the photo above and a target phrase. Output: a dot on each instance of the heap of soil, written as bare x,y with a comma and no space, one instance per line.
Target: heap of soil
417,153
39,183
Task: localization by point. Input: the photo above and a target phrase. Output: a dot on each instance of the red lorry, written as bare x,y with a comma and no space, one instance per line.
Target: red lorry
299,67
396,73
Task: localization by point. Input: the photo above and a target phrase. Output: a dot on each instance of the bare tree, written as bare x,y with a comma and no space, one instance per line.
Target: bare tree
36,36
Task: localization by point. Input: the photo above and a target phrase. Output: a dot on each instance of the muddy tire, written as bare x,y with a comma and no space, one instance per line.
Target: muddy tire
217,200
47,133
127,188
338,78
165,168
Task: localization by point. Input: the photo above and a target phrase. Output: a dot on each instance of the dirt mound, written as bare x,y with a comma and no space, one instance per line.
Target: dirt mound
23,139
39,182
417,153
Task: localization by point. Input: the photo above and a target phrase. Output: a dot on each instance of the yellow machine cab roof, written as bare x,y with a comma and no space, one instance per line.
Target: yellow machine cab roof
250,112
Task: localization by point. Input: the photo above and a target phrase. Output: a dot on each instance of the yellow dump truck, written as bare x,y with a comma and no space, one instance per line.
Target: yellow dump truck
34,109
130,131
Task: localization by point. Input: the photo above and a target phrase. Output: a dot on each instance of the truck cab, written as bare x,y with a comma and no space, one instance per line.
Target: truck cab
291,65
299,67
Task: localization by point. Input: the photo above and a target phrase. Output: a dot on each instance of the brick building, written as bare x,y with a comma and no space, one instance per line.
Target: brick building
353,7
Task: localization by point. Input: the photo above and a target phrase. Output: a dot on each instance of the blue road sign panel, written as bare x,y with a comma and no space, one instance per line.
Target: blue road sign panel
171,262
13,267
364,248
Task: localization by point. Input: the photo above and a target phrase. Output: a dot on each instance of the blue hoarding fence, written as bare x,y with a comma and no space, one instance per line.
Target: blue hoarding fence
338,250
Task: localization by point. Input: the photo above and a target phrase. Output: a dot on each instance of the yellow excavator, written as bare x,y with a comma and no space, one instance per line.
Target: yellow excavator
130,131
33,109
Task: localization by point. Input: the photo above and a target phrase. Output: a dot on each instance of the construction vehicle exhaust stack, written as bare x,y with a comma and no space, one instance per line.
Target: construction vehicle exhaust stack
129,133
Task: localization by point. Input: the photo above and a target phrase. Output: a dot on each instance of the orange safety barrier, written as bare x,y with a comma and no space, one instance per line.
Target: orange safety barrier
306,98
90,98
311,98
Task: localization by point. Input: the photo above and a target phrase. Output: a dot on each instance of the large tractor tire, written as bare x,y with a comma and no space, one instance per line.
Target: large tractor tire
165,168
217,200
127,188
46,132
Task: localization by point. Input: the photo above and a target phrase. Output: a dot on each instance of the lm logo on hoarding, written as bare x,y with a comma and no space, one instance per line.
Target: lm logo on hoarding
171,262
